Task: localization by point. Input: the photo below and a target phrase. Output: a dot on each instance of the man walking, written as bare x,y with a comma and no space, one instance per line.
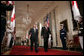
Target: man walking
33,33
45,34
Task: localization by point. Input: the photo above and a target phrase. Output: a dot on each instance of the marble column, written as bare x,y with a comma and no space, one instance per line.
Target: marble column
53,29
57,17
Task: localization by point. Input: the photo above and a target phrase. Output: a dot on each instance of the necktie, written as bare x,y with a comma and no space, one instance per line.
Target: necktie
46,28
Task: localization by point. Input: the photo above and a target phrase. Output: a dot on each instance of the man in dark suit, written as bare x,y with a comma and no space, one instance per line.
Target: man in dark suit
63,36
4,7
45,34
33,33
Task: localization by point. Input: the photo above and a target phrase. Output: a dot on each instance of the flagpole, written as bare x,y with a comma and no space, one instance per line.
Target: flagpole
14,29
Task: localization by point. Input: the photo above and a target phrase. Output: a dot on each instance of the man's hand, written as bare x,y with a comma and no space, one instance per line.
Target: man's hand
64,37
49,35
29,36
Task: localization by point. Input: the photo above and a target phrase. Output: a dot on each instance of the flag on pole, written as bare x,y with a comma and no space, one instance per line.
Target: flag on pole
12,14
47,19
75,10
13,17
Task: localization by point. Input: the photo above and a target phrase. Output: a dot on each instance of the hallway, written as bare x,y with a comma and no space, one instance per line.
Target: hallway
27,14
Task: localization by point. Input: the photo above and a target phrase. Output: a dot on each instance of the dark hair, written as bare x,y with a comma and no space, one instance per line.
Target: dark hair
45,21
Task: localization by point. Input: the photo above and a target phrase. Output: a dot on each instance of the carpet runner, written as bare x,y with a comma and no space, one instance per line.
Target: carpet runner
24,50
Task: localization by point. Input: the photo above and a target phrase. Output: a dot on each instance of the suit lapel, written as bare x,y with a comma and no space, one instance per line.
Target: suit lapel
46,28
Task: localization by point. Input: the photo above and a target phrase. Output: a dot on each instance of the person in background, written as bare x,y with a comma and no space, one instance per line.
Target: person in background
13,37
63,36
23,41
45,32
34,37
27,39
9,31
80,33
4,7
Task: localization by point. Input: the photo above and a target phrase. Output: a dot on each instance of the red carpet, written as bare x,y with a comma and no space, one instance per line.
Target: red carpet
24,50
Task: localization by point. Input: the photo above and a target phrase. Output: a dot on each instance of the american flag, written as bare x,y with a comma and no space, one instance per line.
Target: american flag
47,19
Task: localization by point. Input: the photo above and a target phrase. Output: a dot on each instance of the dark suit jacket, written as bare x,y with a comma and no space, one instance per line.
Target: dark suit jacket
34,35
45,32
63,33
